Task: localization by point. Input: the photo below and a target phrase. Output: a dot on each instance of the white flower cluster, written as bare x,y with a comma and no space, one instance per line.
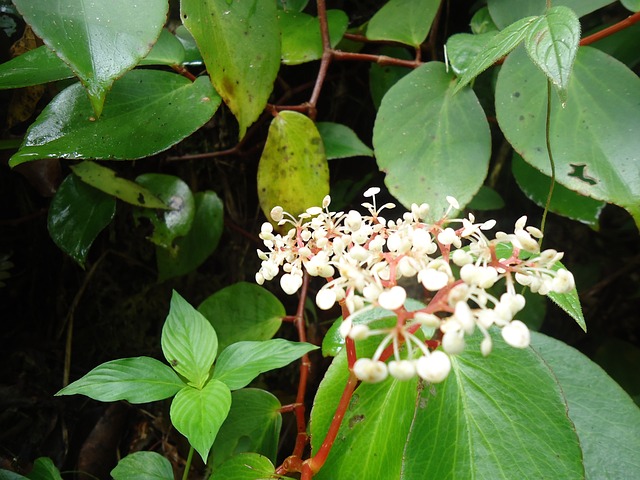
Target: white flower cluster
365,258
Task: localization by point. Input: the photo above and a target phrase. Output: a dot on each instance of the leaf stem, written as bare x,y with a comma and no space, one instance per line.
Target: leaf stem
187,465
551,162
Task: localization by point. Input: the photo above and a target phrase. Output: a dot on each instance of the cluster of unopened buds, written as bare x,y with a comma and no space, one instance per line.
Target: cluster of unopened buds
368,260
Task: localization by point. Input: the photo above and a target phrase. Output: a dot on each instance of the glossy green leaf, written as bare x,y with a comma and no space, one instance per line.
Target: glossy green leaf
243,311
633,5
431,143
606,419
202,239
622,45
486,199
383,77
189,342
143,466
292,5
191,52
34,67
166,51
341,142
463,50
552,43
99,41
253,425
240,43
481,22
246,466
404,21
569,302
503,416
301,40
43,469
293,171
595,151
9,475
505,12
177,221
105,180
241,362
77,214
137,380
497,47
198,414
147,112
564,202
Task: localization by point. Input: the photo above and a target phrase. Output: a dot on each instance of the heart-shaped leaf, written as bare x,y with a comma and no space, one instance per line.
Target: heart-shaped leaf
100,41
143,466
404,21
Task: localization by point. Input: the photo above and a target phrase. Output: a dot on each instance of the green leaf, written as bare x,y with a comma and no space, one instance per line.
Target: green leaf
486,199
77,214
9,475
243,311
621,45
189,342
99,41
201,240
301,39
341,142
293,171
134,124
503,416
463,49
431,143
404,21
166,51
198,414
564,202
191,52
292,5
606,419
593,151
240,44
481,22
34,67
569,302
143,466
497,47
621,360
552,43
241,362
44,469
105,180
633,5
505,12
177,221
246,466
137,380
383,77
253,425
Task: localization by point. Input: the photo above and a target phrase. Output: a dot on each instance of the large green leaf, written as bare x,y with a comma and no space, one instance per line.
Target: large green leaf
633,5
595,149
240,44
199,413
503,416
241,362
202,239
383,77
341,142
495,48
100,41
430,142
293,171
166,51
105,180
137,380
253,425
505,12
605,417
143,466
36,66
172,223
404,21
77,214
552,43
146,112
301,39
243,311
564,202
246,466
43,469
189,342
463,49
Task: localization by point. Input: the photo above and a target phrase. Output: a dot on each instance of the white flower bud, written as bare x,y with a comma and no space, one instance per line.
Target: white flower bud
290,283
277,214
359,332
326,201
448,237
453,342
325,298
402,369
464,315
393,298
461,258
563,281
371,192
353,220
368,370
516,334
435,367
427,319
453,202
433,280
359,253
486,346
345,328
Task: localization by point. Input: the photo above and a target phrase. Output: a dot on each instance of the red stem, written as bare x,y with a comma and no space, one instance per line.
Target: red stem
621,25
305,366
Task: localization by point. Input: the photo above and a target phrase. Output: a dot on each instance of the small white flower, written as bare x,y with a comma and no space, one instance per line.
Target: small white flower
290,283
393,298
433,280
402,369
453,202
563,281
435,367
464,316
277,214
371,192
427,319
345,328
449,237
359,332
368,370
453,341
325,298
461,258
485,346
516,334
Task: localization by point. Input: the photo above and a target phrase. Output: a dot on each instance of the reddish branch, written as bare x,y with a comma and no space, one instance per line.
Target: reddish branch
621,25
